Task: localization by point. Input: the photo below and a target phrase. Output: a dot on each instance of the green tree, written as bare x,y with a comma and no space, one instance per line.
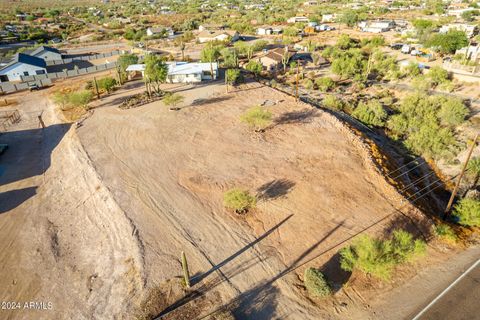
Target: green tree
254,67
60,98
239,200
467,211
123,62
371,113
448,42
350,64
232,76
156,71
257,118
210,53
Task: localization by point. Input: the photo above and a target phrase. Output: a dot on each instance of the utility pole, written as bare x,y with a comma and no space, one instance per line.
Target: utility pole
457,184
186,274
96,87
296,82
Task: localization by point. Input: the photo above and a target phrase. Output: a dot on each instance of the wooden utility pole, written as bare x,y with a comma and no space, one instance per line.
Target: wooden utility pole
96,87
457,184
186,274
296,81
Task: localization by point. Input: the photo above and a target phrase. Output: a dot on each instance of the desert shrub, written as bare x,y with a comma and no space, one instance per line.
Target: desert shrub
378,257
447,86
239,200
425,123
107,84
325,84
422,83
412,70
257,118
332,102
445,232
172,100
61,99
437,75
370,113
467,211
80,98
315,283
308,84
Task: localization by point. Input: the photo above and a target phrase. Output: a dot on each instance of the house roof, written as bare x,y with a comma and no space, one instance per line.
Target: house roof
216,33
278,53
44,48
189,68
178,68
26,59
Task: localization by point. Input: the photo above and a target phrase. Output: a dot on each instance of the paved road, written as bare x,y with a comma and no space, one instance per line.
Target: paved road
460,302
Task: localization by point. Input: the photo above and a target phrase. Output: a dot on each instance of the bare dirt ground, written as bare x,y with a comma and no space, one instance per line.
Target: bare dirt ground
93,219
168,171
63,238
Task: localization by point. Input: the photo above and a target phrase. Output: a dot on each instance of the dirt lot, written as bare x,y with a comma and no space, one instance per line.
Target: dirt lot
94,216
168,171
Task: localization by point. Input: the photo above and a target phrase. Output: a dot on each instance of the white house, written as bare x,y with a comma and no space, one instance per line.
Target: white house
328,17
376,26
220,35
297,19
22,65
262,31
46,53
470,30
184,72
181,72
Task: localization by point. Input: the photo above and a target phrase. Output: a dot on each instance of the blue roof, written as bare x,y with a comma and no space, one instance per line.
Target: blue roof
27,59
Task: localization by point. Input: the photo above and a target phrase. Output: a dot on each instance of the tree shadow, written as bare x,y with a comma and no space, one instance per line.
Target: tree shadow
204,101
198,292
29,152
275,189
302,116
335,275
11,199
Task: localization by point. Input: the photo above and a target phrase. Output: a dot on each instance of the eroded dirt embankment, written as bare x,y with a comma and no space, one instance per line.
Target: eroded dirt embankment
67,242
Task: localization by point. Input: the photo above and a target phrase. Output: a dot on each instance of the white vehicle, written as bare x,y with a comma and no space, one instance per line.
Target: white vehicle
406,49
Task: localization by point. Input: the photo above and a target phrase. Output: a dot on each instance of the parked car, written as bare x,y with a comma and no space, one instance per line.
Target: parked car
396,46
32,86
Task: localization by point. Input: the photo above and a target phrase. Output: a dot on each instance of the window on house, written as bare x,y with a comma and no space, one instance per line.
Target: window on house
40,71
25,73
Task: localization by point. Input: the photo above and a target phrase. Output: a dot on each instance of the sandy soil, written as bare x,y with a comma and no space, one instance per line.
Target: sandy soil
93,217
168,171
63,238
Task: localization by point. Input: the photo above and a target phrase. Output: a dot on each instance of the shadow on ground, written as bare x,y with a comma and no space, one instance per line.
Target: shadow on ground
29,152
275,189
11,199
